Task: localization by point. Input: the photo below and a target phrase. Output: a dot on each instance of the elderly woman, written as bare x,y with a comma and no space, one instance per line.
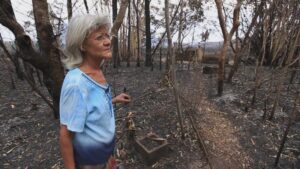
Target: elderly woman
87,132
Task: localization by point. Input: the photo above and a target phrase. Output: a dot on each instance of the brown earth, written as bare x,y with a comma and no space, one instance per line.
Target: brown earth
233,138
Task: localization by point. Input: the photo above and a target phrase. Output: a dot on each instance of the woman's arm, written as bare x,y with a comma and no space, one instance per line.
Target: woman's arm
121,98
66,147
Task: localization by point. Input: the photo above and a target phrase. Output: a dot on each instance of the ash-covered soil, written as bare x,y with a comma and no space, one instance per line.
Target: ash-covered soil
233,137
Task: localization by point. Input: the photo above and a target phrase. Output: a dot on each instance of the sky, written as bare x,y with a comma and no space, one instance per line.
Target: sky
23,8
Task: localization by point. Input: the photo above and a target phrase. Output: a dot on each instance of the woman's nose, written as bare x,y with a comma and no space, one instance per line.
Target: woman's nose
107,42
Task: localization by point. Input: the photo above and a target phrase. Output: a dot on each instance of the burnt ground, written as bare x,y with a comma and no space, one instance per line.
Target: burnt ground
234,138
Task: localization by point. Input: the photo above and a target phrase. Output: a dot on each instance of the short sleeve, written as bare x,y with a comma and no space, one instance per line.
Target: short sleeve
73,109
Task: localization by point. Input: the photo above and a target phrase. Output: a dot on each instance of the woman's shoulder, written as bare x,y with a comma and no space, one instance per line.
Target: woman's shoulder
73,78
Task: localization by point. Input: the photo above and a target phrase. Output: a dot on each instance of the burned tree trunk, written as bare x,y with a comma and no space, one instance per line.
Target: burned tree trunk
115,28
86,6
163,37
179,50
48,60
129,35
238,52
6,64
49,47
227,37
173,68
279,86
286,132
137,31
148,62
115,43
69,7
260,62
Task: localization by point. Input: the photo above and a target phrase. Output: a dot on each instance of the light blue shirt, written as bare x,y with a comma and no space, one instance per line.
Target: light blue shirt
86,109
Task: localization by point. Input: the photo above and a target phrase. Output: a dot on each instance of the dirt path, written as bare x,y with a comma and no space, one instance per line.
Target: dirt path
221,139
239,139
219,134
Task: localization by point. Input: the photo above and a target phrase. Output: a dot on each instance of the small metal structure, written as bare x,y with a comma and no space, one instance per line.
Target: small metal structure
151,147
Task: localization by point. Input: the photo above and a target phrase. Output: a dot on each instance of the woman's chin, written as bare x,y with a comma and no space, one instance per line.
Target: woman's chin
107,56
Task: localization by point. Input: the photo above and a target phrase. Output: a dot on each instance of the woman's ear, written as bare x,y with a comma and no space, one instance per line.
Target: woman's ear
82,48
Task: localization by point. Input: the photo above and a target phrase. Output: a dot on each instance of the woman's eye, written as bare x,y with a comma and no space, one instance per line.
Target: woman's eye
103,37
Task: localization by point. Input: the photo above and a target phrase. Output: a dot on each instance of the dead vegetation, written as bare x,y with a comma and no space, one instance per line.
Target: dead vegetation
232,137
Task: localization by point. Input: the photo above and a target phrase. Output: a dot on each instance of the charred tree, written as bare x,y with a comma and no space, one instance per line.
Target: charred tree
6,64
69,7
86,6
129,35
227,37
286,132
48,59
173,68
115,28
135,4
292,50
148,59
49,49
179,50
245,42
115,43
163,37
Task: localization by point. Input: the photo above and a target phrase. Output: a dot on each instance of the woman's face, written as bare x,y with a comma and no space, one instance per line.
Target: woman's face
97,44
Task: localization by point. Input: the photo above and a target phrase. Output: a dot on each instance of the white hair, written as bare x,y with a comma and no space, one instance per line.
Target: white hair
78,29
